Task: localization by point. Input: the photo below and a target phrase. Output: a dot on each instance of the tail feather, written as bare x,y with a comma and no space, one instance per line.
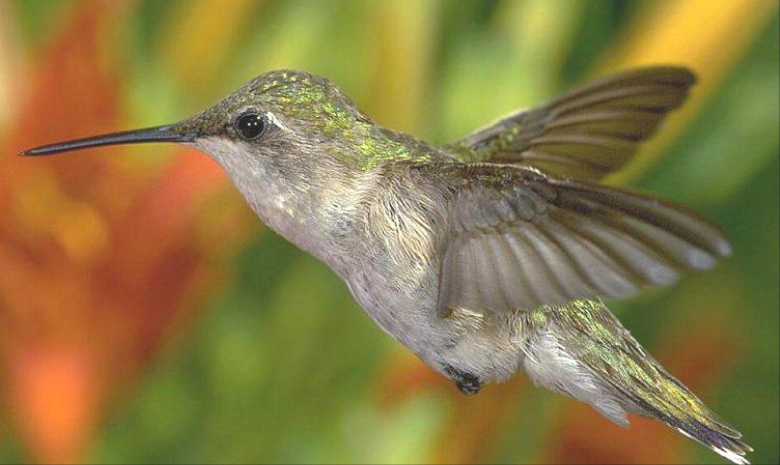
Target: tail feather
583,351
711,432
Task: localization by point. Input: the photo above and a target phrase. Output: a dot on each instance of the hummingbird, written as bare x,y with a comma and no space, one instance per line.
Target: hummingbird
486,256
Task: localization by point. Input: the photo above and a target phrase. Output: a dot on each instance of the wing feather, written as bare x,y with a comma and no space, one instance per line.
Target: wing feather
587,133
519,240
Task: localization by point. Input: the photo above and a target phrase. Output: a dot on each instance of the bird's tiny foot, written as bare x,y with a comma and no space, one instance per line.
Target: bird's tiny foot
465,382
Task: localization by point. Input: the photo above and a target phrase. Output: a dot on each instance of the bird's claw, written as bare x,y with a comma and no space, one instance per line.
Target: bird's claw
466,383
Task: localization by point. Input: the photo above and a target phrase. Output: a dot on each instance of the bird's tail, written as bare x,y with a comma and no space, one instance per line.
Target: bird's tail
583,351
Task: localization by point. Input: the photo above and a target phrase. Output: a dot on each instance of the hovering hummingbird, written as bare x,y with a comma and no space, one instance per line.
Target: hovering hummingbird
486,256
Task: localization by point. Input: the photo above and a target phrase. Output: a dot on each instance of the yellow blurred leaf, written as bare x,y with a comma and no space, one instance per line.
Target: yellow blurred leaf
403,34
199,43
708,36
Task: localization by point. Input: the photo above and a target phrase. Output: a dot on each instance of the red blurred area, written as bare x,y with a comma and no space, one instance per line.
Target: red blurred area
97,264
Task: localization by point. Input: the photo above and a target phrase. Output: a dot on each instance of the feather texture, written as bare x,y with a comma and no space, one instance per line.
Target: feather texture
586,133
519,240
581,349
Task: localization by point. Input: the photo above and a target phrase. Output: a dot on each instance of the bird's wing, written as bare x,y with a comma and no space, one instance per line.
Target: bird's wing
587,133
518,239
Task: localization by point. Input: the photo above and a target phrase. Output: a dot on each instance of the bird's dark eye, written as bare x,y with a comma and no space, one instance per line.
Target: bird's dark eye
250,125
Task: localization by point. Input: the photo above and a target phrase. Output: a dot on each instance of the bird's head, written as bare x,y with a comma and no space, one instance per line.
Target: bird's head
280,113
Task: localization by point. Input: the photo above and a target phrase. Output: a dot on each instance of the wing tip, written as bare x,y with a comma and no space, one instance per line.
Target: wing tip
664,73
723,247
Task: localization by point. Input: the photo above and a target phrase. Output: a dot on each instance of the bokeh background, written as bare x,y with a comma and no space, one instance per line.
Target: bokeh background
147,316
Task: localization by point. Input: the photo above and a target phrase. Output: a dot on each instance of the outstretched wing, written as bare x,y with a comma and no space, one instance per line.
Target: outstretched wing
587,133
519,239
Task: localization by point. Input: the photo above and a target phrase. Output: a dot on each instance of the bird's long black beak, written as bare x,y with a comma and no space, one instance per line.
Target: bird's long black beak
156,134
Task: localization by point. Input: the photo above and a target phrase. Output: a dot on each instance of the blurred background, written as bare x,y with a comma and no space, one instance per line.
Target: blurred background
147,316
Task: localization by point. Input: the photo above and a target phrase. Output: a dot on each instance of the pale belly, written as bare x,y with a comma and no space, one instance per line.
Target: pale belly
486,346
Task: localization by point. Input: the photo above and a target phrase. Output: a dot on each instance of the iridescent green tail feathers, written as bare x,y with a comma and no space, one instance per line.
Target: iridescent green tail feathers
583,351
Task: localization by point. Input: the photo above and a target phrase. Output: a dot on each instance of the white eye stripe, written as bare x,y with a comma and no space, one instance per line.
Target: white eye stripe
275,121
